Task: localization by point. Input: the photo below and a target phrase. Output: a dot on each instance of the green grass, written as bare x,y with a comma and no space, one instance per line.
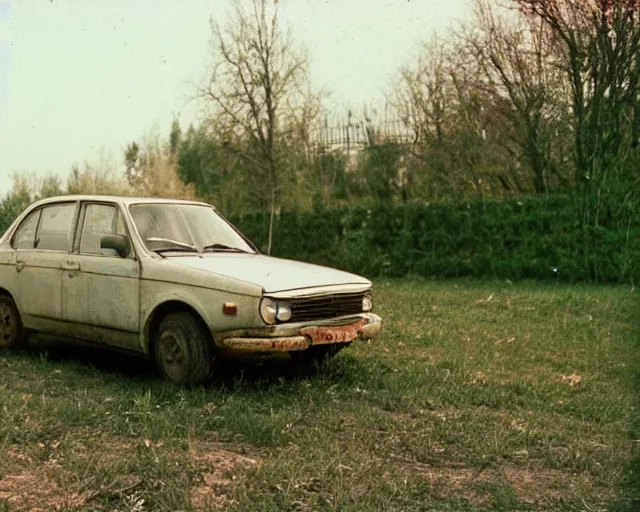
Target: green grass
476,396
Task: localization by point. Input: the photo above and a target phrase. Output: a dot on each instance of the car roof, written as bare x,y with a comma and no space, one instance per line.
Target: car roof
126,200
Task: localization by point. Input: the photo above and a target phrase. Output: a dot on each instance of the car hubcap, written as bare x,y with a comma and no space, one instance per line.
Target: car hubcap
172,355
7,324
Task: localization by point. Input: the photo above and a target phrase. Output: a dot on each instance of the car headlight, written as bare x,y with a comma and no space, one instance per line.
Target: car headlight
367,302
268,310
272,311
284,312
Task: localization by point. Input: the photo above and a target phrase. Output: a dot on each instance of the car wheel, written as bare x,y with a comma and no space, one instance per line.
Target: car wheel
11,332
183,350
318,354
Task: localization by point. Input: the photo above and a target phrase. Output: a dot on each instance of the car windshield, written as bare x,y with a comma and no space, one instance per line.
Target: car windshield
185,228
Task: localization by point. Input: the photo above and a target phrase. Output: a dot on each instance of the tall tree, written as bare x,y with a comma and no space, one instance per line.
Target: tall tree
444,99
175,137
258,85
151,168
599,45
599,41
520,66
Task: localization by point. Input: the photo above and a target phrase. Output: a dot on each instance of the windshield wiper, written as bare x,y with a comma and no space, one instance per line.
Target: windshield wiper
177,246
223,248
161,250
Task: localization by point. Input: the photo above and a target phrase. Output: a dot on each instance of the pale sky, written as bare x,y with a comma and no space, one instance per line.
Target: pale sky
80,77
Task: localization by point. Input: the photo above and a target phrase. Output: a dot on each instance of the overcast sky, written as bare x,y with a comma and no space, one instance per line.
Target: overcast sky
80,77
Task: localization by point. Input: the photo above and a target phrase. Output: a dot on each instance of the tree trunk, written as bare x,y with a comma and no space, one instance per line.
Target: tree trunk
271,215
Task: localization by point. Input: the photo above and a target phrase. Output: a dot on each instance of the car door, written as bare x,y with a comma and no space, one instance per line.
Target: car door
101,288
42,243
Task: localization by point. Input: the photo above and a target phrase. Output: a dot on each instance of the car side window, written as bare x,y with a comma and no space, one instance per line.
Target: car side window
54,228
25,235
100,220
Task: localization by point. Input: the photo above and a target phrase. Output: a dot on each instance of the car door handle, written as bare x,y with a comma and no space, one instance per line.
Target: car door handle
73,267
20,265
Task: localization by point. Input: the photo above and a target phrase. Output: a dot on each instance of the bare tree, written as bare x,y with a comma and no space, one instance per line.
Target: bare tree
421,94
599,42
599,45
520,66
258,85
427,101
447,103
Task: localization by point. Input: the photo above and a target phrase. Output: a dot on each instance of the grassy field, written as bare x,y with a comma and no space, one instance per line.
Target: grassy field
477,396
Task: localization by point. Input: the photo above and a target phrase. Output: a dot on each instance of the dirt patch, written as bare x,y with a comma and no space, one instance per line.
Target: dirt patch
30,482
39,486
534,486
18,456
107,450
37,492
218,469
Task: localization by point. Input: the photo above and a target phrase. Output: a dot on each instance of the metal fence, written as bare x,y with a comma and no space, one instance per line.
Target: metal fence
354,131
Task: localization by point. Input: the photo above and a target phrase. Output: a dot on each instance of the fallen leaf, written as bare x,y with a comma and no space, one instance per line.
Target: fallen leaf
479,378
573,380
505,340
519,425
485,301
210,407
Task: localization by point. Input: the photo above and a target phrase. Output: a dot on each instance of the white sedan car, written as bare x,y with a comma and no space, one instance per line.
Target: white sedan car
172,280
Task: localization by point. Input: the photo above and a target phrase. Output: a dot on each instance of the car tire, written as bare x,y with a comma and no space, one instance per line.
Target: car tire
12,335
317,355
183,350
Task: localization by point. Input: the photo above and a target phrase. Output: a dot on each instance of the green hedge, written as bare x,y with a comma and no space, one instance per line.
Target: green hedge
520,239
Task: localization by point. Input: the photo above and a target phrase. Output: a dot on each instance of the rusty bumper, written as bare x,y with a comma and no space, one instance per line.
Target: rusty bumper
292,337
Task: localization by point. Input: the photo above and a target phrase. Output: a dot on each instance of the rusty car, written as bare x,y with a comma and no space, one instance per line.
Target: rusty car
173,281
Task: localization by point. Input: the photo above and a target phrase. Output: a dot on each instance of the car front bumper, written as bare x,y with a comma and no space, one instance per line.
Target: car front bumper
300,336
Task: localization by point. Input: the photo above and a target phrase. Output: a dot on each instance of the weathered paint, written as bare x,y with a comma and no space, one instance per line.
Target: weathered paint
364,328
287,344
85,332
371,328
271,274
111,300
207,302
371,325
104,292
39,284
333,334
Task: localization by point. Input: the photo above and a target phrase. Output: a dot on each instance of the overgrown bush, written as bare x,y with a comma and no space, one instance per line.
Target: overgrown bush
531,238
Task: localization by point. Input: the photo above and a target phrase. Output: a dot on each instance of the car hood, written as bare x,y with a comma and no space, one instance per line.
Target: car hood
272,274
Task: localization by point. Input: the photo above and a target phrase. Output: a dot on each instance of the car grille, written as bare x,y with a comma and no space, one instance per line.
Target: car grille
326,306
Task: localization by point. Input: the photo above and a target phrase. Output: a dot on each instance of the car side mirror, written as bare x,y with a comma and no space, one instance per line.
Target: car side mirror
118,243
